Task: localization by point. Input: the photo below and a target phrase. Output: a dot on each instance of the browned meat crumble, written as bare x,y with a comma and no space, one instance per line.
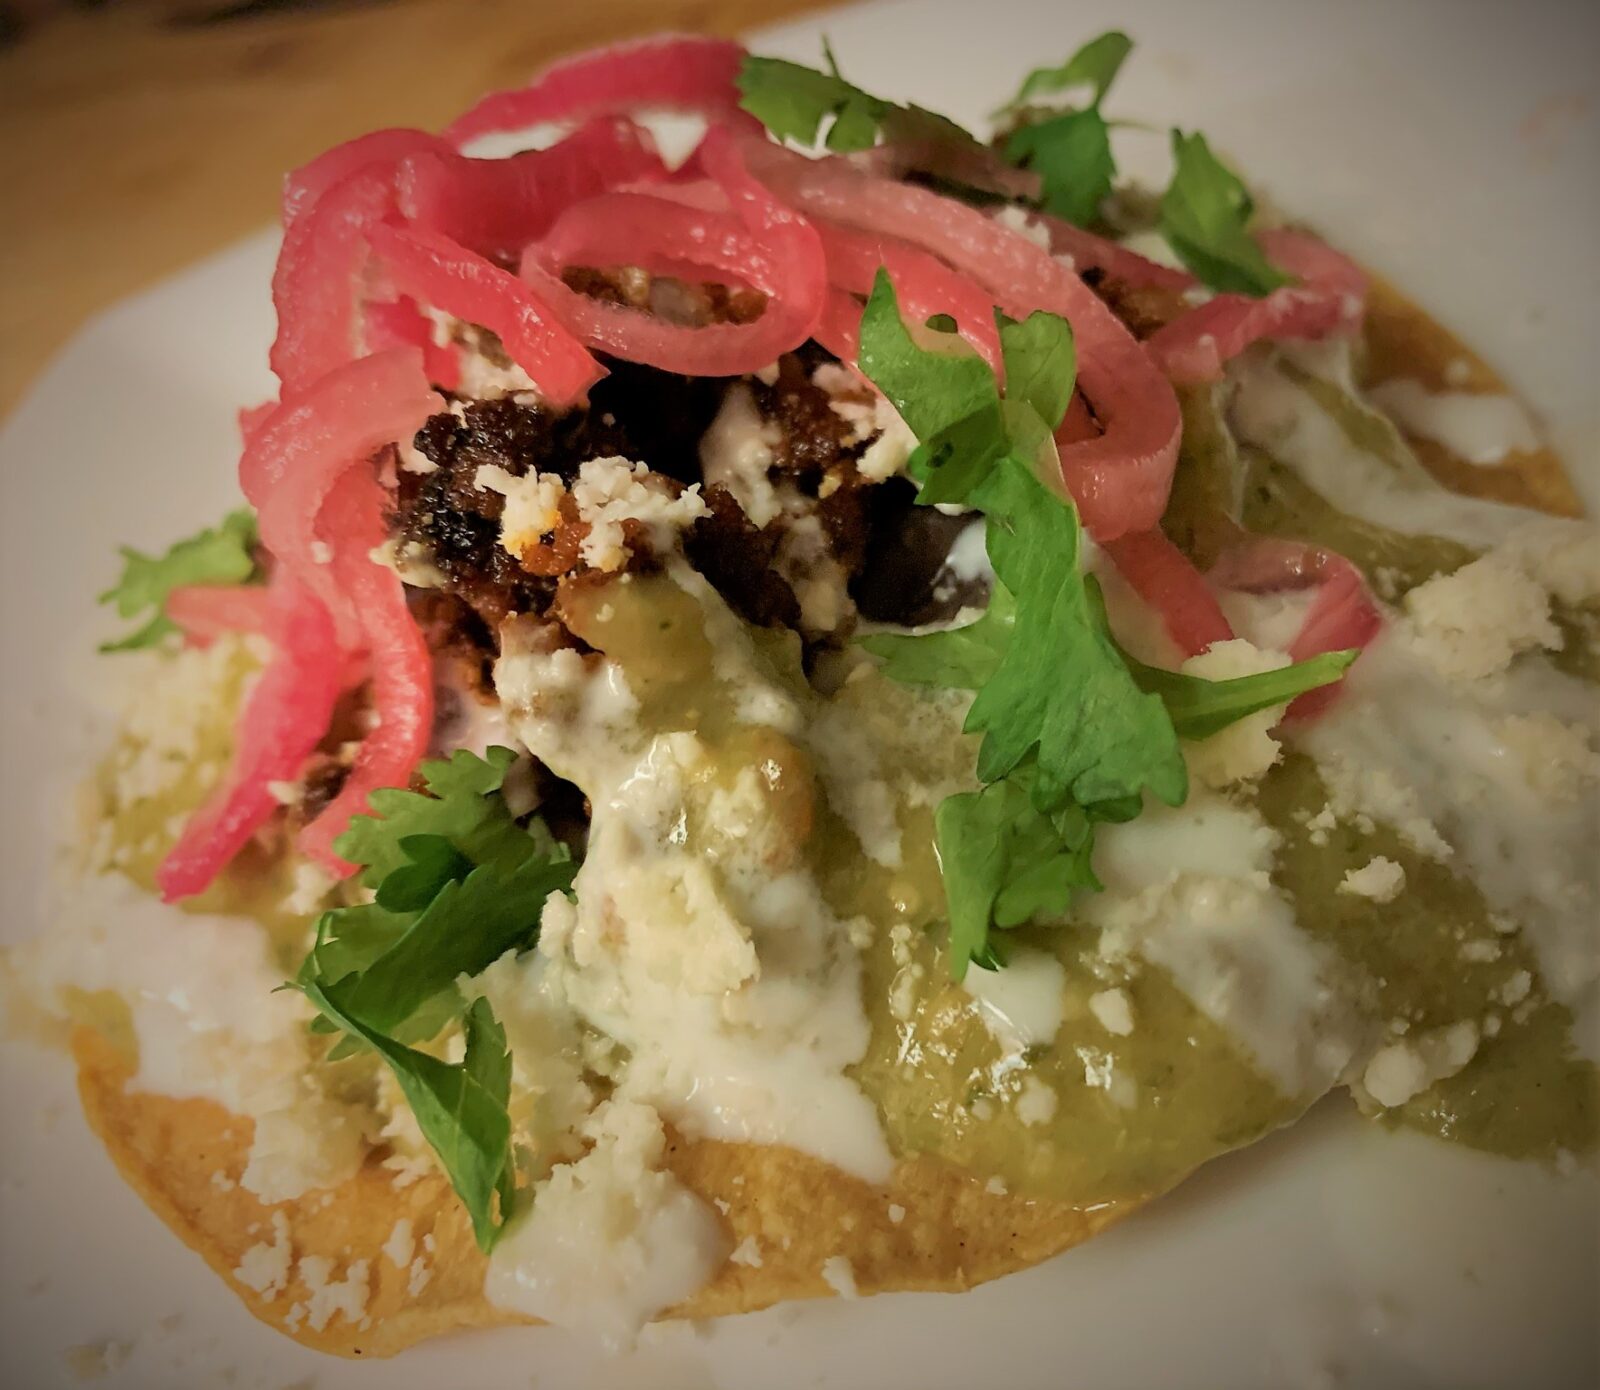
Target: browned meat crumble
888,551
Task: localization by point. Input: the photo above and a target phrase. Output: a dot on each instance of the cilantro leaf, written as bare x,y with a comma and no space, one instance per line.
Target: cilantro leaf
1071,154
457,883
1069,739
1041,365
1062,688
462,1109
933,391
793,101
459,805
959,658
1199,708
1071,149
217,555
468,925
1204,215
1004,862
1094,65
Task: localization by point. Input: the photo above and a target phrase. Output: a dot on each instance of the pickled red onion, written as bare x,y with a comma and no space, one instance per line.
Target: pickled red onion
377,149
1120,478
1091,252
292,462
1330,298
250,418
282,721
1343,613
400,323
497,206
328,205
672,73
1163,576
206,612
839,328
434,270
401,666
760,242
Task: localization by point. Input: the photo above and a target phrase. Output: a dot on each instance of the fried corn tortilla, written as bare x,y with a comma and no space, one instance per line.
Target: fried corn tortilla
955,1231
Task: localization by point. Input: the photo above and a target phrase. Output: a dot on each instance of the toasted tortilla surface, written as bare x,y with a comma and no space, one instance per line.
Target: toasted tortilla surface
954,1234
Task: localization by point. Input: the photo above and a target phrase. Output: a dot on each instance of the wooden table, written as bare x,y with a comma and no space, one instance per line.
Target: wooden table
131,143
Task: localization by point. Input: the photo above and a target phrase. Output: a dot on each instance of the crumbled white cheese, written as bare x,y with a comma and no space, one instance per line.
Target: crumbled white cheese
418,1276
996,1187
747,1252
838,1275
1378,793
610,491
1113,1010
532,505
1379,879
870,416
1189,889
607,492
1518,985
1557,756
286,793
1402,1070
1446,763
328,1297
264,1267
309,887
401,1244
610,1240
1036,1101
210,1023
1471,624
746,1036
487,373
1560,554
1017,219
897,1213
1246,749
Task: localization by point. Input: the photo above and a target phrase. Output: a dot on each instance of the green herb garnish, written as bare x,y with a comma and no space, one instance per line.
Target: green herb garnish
217,555
1094,65
1205,214
1071,149
1074,734
458,882
794,102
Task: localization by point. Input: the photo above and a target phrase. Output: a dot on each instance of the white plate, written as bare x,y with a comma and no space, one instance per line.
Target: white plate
1453,145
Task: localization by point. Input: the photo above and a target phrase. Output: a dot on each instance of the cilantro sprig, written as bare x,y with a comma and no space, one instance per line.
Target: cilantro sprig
1070,149
457,883
1075,734
218,555
794,102
1094,65
1205,216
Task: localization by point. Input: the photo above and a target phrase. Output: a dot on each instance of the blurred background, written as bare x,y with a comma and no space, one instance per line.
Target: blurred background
137,135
